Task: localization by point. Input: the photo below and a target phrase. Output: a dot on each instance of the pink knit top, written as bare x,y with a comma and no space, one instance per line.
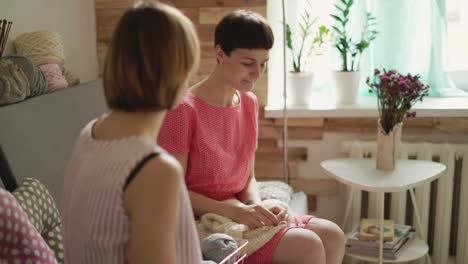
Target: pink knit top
221,142
95,225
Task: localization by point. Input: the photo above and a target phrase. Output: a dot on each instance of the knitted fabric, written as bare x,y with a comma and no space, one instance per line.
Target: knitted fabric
213,223
54,76
37,79
42,47
14,85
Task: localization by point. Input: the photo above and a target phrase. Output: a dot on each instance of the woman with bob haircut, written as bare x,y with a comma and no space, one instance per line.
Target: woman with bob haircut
124,198
213,133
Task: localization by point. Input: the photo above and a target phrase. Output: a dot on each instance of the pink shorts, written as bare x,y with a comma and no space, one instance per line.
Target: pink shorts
264,255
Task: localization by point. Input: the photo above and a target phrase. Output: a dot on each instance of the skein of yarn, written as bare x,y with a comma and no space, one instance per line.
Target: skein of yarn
218,246
14,84
54,76
42,47
37,80
71,78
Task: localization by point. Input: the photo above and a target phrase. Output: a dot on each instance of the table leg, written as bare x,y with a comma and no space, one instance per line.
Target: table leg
419,223
348,208
382,229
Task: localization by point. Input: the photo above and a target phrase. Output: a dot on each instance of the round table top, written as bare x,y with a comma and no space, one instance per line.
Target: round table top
362,173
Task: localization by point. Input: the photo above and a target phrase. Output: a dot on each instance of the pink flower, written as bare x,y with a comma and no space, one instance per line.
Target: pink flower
396,94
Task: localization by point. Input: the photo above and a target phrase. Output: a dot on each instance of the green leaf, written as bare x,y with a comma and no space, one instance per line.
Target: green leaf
339,8
346,21
337,18
337,30
323,29
339,48
288,37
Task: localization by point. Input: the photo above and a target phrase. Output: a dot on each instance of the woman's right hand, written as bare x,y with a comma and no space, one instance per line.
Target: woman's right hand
254,216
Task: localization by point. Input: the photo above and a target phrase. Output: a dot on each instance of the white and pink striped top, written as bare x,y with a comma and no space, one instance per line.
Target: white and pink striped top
95,226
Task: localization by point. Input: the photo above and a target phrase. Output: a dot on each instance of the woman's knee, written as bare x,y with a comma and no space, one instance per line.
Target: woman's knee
300,246
330,233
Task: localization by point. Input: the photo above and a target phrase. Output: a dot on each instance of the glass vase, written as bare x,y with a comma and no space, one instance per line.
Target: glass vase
388,146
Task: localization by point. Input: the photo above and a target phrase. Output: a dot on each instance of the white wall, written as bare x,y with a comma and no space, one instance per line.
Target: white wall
73,19
37,135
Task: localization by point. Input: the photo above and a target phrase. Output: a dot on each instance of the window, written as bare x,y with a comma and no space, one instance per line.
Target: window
457,31
451,57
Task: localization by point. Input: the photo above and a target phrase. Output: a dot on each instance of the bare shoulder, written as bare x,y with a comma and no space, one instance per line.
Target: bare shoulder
158,180
162,167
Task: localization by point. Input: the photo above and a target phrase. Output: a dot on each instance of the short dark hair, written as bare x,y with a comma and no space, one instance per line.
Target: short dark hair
153,53
242,29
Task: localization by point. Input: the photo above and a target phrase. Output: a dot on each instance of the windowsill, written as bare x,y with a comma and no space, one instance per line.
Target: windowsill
367,107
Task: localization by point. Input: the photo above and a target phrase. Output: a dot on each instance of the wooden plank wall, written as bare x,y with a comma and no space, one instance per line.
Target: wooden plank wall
205,14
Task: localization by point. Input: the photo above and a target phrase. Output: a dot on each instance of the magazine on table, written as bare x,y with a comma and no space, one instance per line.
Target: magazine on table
374,252
401,231
370,229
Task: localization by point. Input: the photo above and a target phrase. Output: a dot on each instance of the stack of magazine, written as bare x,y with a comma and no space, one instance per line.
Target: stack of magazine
366,246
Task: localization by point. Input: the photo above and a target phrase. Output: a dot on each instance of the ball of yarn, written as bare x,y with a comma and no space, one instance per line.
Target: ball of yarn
71,78
37,80
42,47
54,76
14,85
217,247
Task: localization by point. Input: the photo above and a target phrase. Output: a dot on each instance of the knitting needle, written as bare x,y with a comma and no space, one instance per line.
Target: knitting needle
6,36
5,32
1,35
3,23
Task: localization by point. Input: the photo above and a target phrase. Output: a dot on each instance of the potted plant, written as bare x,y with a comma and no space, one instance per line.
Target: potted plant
300,79
396,94
346,80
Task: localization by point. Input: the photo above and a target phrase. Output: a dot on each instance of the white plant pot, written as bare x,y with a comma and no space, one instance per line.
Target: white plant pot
346,86
299,88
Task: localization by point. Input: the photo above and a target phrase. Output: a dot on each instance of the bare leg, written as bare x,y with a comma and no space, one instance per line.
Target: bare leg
299,246
333,238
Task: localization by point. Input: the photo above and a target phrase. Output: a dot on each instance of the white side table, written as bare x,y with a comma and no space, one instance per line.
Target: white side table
362,174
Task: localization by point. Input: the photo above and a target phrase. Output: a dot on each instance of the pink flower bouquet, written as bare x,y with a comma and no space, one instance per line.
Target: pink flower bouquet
396,94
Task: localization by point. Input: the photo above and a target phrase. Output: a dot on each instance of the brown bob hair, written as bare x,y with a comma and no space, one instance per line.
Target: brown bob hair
243,29
153,53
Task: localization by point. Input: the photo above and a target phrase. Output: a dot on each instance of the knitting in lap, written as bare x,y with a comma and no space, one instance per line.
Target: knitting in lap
213,223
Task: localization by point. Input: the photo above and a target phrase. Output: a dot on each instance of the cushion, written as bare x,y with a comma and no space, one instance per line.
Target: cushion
19,240
275,190
40,206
